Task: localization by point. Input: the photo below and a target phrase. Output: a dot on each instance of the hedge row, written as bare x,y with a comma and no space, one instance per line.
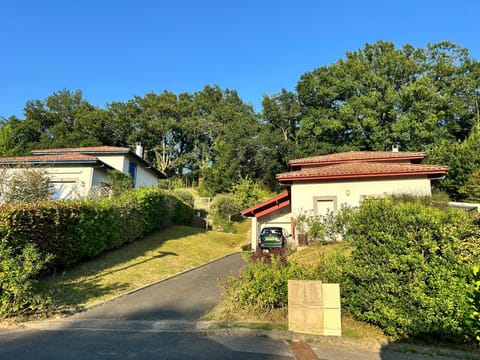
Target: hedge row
75,230
409,270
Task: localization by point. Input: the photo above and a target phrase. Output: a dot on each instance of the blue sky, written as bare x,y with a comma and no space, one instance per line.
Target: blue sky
114,50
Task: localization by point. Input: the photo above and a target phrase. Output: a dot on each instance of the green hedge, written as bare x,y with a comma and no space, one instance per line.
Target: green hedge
409,271
75,230
18,284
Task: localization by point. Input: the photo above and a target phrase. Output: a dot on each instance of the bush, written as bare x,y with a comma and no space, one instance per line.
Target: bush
247,193
117,182
185,196
266,257
473,320
224,210
26,184
409,268
263,285
18,295
225,206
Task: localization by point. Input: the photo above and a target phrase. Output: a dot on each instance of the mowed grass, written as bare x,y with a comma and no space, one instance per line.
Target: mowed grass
157,256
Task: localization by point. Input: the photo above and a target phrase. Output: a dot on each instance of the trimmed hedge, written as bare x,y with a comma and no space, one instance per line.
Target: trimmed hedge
75,230
409,271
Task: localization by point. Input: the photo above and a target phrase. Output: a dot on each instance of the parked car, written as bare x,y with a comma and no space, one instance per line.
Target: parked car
271,237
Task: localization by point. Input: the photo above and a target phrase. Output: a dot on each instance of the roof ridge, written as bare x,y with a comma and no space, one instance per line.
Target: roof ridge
357,155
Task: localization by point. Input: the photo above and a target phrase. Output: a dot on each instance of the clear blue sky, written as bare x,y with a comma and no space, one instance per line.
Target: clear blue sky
113,50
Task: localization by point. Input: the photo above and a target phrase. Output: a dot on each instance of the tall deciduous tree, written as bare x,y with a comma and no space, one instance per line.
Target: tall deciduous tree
277,141
233,149
463,161
56,120
158,128
381,95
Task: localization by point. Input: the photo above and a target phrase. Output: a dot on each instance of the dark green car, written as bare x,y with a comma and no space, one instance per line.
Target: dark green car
272,237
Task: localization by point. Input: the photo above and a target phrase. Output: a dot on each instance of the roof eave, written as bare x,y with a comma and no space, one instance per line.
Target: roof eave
359,176
55,162
277,202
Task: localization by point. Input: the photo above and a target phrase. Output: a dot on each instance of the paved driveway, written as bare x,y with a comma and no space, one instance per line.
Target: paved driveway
184,297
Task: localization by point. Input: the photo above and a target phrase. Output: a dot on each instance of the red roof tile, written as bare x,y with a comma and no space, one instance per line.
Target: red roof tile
48,158
83,150
355,170
266,207
360,156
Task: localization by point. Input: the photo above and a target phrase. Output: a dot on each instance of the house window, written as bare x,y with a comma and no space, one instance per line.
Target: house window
322,205
132,170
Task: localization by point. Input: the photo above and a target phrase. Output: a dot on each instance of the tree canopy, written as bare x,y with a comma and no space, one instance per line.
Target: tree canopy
423,99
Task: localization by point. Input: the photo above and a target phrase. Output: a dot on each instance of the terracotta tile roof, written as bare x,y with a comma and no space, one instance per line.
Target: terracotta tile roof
48,158
377,156
277,202
83,150
357,170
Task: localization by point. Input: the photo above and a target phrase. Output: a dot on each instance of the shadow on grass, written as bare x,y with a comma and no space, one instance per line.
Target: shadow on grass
162,254
81,283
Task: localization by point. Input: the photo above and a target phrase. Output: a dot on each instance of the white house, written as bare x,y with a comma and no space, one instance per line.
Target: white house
317,185
74,172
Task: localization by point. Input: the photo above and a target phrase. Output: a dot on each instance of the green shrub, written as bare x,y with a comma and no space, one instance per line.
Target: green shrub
224,206
183,214
26,184
263,285
18,271
409,268
117,182
473,321
247,193
185,196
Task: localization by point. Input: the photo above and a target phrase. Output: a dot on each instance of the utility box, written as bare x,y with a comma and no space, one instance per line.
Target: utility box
314,308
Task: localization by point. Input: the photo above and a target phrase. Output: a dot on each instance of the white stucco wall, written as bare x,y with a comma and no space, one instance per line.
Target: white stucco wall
143,177
118,162
99,174
304,195
70,182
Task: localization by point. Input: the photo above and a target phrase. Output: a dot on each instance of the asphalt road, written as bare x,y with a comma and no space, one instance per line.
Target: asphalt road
93,345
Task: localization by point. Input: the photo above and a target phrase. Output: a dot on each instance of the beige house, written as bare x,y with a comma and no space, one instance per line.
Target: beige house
321,184
76,172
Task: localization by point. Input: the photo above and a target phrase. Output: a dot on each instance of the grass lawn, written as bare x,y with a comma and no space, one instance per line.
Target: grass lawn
157,256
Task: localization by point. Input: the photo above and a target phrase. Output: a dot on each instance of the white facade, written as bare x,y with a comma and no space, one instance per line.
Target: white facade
141,176
74,182
74,172
316,198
